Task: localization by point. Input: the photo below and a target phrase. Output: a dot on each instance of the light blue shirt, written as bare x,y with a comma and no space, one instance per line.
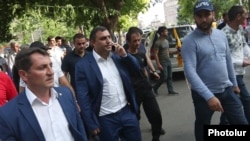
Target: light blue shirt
207,62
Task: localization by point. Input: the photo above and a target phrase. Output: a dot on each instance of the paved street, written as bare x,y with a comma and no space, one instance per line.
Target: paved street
177,112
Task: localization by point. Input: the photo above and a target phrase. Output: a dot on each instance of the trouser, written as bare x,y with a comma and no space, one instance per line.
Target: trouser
245,99
122,124
146,98
165,76
232,108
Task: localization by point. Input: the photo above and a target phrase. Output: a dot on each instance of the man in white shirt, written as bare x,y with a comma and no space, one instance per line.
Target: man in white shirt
104,91
59,77
55,51
239,52
41,112
247,34
14,49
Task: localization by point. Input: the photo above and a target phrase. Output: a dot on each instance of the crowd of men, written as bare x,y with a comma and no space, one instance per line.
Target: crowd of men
89,92
94,91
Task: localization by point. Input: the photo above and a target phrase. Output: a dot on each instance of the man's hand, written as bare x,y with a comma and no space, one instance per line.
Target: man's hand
160,67
214,104
119,50
96,131
246,62
236,90
156,75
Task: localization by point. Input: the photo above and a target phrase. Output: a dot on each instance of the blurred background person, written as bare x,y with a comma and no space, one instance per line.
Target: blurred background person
224,22
14,49
69,61
4,65
161,53
63,44
7,88
55,51
247,32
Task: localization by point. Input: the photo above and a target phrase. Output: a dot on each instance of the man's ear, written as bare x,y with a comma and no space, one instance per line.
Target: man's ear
92,42
23,75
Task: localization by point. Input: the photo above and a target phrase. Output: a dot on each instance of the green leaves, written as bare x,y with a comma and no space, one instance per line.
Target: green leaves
72,13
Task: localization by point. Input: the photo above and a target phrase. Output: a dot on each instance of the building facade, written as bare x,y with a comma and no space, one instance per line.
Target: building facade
170,12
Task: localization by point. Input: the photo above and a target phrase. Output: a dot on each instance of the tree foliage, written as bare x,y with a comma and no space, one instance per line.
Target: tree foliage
9,9
33,26
88,13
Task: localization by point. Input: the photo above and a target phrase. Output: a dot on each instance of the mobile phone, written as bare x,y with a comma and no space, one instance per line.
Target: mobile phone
113,48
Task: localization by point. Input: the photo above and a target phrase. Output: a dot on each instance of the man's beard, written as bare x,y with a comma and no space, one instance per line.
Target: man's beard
204,26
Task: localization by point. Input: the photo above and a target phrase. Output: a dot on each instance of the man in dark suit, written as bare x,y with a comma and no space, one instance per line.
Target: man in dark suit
225,21
41,112
104,91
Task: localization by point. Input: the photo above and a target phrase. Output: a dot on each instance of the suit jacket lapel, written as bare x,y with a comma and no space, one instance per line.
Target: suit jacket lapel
65,106
28,113
95,68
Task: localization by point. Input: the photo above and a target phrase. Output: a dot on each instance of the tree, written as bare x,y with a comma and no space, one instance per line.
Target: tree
78,12
33,26
9,9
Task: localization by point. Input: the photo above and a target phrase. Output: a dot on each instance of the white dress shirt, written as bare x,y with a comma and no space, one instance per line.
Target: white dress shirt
57,53
113,95
50,117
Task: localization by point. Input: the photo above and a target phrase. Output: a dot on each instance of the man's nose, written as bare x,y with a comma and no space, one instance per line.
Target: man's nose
50,70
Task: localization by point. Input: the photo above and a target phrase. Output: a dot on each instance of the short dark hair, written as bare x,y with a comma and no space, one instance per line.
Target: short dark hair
39,44
78,36
23,60
95,30
161,29
224,14
234,11
133,30
49,38
58,38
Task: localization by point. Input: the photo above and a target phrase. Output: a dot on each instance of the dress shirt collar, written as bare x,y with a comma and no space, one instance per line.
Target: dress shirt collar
32,97
98,58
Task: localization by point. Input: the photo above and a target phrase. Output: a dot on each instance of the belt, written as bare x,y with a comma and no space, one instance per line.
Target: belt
121,109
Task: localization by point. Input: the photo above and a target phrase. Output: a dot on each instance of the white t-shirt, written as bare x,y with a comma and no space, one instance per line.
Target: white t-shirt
57,54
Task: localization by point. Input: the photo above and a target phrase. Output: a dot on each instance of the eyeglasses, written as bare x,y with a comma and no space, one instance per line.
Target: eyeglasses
81,44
